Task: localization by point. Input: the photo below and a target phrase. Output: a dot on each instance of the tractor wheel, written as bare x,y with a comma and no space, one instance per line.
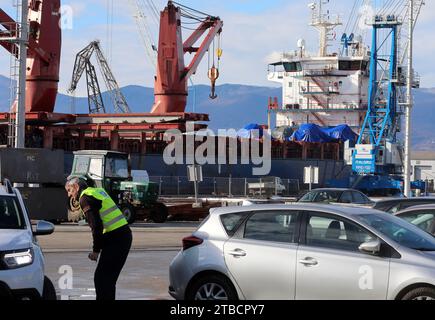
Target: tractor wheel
159,213
129,212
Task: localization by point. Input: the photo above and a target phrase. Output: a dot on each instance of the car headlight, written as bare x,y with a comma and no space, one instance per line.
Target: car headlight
18,258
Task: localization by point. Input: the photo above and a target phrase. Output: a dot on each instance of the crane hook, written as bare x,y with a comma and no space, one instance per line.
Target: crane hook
213,75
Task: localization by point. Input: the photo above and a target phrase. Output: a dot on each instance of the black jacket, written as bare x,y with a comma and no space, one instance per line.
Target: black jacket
91,208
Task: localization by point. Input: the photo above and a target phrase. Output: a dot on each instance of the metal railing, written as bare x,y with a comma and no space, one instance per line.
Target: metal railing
227,187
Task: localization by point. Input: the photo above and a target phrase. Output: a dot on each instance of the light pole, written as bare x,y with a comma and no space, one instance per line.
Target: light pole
21,92
409,104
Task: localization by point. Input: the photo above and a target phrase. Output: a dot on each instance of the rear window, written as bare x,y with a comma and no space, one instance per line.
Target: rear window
11,216
232,221
322,196
359,198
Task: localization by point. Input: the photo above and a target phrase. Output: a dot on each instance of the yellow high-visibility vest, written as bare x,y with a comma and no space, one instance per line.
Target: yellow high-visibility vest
110,214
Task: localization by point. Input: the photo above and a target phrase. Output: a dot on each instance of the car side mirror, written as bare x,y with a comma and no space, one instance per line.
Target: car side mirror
43,228
371,247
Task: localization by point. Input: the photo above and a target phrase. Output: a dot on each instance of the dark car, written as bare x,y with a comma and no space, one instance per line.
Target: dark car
399,204
330,195
422,216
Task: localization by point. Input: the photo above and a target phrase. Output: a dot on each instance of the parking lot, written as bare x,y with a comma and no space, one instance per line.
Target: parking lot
145,275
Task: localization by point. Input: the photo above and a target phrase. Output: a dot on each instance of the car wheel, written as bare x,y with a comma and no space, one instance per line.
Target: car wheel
129,212
212,287
49,292
424,293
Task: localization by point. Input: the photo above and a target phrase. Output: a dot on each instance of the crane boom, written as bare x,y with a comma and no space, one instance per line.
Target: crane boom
144,30
118,99
95,101
170,89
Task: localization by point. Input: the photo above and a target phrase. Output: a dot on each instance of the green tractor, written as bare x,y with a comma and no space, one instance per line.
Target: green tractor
110,170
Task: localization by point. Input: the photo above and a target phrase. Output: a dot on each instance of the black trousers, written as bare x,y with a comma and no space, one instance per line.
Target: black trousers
116,246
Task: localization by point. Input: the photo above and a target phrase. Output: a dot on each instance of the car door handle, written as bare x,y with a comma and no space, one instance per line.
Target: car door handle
237,253
309,262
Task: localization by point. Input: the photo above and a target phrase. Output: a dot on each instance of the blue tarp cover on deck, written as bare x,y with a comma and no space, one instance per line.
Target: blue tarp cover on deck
248,131
314,133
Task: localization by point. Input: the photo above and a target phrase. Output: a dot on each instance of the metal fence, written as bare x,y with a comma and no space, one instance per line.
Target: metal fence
227,187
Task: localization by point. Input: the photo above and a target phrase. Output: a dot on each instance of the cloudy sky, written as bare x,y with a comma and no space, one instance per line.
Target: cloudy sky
253,31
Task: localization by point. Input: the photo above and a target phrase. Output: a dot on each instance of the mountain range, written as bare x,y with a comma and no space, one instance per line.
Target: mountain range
237,105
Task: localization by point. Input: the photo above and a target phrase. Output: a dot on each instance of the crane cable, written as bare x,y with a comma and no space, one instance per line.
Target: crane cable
351,16
109,29
154,13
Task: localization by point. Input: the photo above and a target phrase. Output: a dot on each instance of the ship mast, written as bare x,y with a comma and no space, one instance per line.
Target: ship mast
324,24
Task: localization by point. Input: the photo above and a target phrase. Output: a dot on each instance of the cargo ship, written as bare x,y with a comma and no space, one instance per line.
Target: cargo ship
324,99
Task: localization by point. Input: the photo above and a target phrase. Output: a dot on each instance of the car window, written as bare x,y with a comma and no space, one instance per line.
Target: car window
232,221
420,218
395,208
399,230
332,232
11,216
308,197
328,196
346,197
359,197
278,226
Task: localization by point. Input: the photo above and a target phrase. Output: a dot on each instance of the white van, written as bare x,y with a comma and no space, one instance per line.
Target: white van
21,260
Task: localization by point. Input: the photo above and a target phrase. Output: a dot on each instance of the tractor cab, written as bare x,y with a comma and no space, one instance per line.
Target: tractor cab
110,170
102,169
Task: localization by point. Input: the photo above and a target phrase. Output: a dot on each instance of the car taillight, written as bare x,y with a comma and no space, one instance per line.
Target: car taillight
191,241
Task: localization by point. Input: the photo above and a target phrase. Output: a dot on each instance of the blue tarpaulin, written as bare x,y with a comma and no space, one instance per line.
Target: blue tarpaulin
247,131
342,132
313,133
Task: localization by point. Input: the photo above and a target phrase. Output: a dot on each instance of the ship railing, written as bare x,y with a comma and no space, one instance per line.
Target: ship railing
307,107
227,186
331,123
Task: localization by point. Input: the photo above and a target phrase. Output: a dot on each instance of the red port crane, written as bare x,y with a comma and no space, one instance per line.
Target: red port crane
43,59
170,89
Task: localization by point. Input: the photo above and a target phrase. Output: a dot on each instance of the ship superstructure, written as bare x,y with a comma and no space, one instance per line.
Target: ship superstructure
327,89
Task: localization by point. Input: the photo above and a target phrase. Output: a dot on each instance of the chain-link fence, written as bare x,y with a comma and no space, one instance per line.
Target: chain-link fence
227,187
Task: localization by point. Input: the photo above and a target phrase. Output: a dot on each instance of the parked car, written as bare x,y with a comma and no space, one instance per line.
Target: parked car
422,216
399,204
21,260
342,196
304,251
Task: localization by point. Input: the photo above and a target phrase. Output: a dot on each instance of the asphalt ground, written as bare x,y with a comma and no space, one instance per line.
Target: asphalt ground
145,275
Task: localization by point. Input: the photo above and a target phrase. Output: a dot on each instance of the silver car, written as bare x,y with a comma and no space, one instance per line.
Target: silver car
422,216
304,251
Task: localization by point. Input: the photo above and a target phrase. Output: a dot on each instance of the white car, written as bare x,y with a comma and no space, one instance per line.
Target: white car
21,260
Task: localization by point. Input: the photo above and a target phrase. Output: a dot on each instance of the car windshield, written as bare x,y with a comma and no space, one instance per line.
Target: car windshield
321,196
400,231
10,214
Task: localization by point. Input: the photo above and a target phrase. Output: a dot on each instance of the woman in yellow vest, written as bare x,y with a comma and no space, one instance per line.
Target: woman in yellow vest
112,236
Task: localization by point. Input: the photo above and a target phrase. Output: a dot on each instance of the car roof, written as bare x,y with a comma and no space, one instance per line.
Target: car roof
327,208
333,189
419,207
4,191
397,200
